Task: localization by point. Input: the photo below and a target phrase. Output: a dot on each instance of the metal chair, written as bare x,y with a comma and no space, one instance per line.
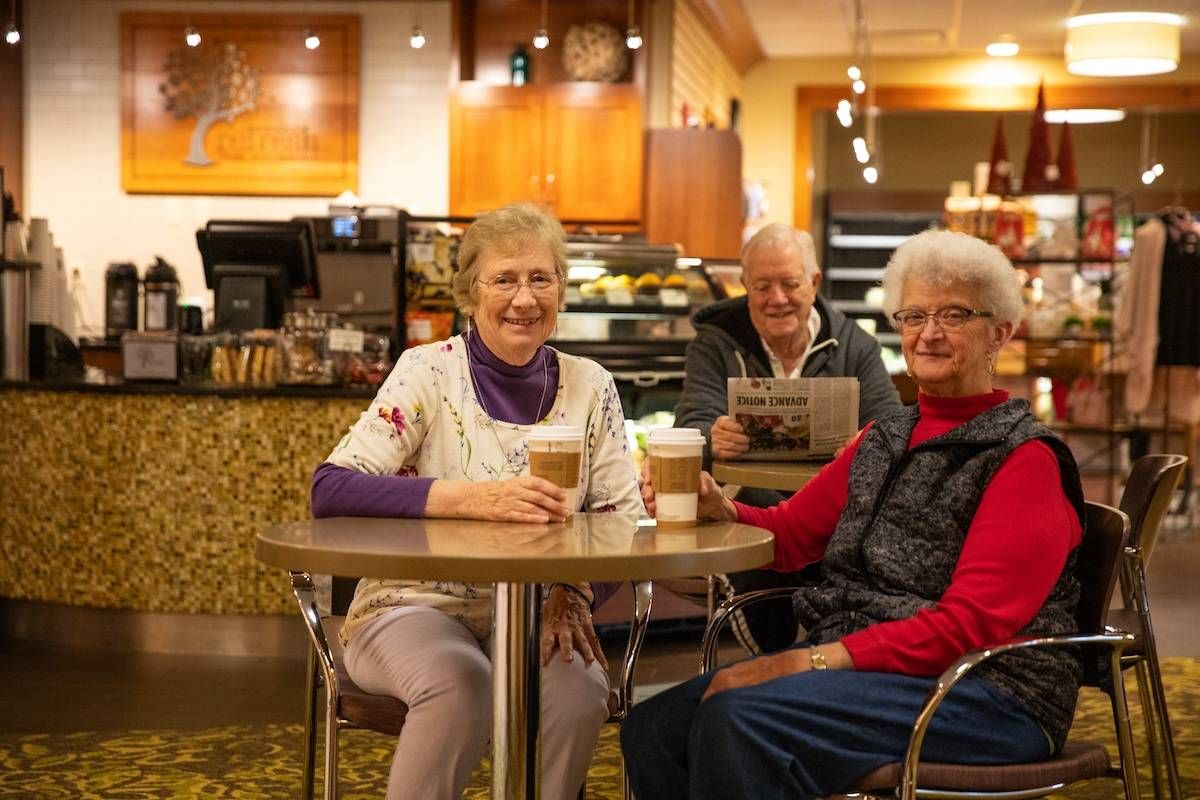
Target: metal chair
348,706
1097,566
1146,499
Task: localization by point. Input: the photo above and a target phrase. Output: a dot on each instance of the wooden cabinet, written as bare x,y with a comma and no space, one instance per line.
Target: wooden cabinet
577,148
694,191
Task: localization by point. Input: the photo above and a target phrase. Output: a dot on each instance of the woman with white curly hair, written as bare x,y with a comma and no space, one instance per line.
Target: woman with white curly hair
944,526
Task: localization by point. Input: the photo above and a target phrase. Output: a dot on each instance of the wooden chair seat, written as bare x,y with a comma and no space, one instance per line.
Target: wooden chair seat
1078,761
371,711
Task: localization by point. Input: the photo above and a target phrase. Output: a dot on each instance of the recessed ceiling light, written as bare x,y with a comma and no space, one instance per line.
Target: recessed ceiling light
1083,116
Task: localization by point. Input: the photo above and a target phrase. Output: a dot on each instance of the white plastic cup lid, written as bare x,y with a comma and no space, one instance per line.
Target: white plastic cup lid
676,436
555,432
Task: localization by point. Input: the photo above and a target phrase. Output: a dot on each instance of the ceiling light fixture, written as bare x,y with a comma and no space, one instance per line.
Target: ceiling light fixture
1083,116
12,34
860,150
1150,165
541,39
845,113
417,39
191,36
1003,47
1123,43
859,86
870,174
853,73
311,40
633,35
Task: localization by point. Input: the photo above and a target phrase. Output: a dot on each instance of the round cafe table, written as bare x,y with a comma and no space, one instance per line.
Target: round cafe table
784,476
518,559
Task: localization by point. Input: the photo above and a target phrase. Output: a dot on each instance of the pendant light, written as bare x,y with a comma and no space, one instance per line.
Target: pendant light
311,40
633,35
417,40
541,39
191,36
12,34
1123,43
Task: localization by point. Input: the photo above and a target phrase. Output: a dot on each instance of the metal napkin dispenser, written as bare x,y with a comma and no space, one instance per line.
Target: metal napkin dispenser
150,356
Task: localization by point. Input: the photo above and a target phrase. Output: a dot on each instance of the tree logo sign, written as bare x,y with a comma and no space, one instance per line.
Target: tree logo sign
250,111
210,84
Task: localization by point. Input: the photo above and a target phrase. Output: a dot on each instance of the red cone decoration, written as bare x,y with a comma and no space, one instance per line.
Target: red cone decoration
1068,178
1037,163
1000,172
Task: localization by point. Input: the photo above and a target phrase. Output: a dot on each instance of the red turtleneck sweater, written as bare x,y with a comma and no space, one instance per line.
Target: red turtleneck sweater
1013,555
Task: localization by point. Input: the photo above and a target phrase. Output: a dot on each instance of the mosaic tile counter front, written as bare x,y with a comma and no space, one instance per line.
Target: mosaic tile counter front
150,502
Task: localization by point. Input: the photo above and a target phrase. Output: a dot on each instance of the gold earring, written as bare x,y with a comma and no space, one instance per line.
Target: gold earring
992,358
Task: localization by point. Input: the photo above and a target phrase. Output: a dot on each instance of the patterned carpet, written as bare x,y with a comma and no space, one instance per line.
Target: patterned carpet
253,763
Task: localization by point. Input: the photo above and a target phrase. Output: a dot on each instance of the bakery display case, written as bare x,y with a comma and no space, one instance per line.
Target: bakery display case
628,306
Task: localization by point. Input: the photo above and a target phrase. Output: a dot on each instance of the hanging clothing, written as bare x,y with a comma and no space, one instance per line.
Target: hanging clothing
1179,298
1136,332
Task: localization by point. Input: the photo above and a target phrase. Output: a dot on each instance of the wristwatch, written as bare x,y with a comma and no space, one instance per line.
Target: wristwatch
817,659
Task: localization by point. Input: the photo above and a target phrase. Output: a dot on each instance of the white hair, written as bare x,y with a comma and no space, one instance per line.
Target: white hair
779,233
944,257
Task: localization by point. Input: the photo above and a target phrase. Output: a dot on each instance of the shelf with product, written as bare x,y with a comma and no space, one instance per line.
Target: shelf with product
861,230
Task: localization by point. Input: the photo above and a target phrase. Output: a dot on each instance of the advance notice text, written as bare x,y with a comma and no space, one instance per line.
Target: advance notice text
790,419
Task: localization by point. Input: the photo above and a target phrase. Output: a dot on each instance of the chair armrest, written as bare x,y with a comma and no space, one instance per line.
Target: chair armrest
708,648
643,599
1116,640
306,597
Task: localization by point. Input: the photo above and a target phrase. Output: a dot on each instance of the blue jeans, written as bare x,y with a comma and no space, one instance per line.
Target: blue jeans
811,734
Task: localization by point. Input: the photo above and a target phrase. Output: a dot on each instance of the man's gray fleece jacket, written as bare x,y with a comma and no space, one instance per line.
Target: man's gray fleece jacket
727,346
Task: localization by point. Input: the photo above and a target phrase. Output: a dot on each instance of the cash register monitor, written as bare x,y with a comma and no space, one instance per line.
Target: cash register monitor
256,267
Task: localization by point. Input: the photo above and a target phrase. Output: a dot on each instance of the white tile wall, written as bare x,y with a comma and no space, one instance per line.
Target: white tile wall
73,134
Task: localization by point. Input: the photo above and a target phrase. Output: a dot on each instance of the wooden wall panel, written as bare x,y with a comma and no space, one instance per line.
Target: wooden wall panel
697,207
701,74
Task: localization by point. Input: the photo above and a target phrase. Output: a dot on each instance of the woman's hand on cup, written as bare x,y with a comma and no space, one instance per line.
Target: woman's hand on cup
711,502
567,627
729,439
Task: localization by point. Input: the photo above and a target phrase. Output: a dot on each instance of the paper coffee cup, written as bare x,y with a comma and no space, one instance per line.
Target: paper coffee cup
556,453
675,458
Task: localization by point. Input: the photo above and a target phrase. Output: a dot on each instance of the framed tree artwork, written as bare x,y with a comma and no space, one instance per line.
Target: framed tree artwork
250,110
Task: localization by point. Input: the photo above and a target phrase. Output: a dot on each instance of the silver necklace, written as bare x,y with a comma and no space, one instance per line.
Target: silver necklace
479,391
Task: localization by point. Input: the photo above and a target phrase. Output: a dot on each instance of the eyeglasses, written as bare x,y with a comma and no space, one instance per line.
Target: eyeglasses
765,287
539,283
948,318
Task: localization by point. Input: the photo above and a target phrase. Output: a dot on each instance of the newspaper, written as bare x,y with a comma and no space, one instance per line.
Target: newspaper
790,419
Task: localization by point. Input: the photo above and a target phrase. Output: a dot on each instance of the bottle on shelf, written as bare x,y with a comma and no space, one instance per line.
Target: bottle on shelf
518,64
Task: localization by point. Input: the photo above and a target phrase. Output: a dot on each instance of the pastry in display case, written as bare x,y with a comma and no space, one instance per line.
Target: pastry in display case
628,306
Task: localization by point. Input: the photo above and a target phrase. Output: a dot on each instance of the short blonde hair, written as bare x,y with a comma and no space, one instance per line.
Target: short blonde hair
944,257
508,231
779,233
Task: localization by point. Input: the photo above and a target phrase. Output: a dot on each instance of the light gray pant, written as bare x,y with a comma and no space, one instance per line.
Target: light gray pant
433,663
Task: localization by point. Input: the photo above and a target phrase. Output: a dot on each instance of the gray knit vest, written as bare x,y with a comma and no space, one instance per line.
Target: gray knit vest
900,535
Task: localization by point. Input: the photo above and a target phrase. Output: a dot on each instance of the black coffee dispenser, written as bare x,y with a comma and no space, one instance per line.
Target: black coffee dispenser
120,299
161,288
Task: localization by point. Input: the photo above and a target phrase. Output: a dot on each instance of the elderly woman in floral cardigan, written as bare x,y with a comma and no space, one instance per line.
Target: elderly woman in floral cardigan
445,437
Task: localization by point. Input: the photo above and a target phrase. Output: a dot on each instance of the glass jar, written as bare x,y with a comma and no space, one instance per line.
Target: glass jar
368,362
195,358
304,356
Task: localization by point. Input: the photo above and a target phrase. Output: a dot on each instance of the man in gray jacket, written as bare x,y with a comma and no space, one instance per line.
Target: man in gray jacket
781,328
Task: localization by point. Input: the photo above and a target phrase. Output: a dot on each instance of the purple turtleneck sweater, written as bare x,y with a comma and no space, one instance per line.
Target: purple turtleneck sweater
510,394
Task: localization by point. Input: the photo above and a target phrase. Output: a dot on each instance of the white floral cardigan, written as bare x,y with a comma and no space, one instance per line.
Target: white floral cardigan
427,421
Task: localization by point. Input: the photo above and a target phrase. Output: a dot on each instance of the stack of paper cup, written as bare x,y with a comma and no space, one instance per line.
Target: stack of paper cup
675,458
556,453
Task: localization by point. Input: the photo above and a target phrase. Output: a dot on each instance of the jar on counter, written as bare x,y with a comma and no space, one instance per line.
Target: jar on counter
304,355
361,357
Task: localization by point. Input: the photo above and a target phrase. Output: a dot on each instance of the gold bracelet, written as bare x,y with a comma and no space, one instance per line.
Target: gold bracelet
817,659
